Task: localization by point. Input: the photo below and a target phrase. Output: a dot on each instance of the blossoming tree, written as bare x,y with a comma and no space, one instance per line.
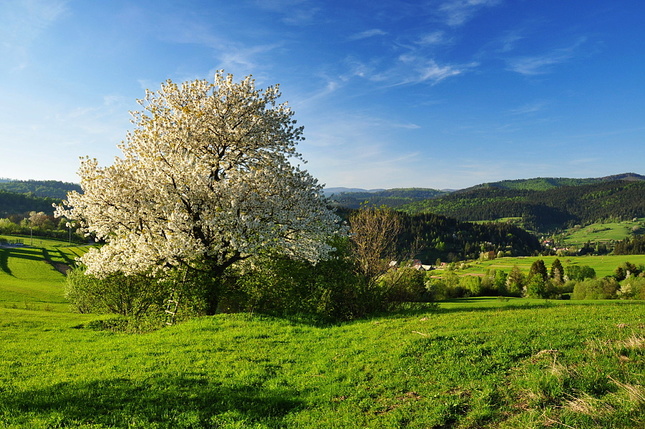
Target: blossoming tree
206,180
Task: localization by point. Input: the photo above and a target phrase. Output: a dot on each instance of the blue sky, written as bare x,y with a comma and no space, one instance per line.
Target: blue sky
437,94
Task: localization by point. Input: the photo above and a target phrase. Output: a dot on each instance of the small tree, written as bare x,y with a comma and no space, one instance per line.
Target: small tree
515,281
557,272
374,233
206,180
538,269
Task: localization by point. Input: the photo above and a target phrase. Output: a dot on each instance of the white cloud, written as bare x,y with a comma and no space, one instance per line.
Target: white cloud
543,64
434,38
367,34
530,108
458,12
417,69
295,12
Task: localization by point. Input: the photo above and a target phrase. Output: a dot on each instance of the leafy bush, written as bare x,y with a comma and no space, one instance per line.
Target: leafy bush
328,291
632,288
446,287
580,272
605,288
404,284
135,296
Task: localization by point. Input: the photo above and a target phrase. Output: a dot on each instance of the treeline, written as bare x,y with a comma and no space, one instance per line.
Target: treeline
431,237
390,197
40,224
554,208
545,183
558,282
630,246
12,203
40,188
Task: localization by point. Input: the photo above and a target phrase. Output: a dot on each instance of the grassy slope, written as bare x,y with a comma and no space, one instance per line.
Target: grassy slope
470,364
28,275
603,265
602,232
483,363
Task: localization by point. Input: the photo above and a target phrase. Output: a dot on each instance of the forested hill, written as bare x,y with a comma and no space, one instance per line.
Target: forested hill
440,237
546,183
12,203
390,197
557,207
39,188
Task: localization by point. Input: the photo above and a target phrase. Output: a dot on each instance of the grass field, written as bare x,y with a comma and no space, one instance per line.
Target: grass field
602,232
470,363
603,265
30,276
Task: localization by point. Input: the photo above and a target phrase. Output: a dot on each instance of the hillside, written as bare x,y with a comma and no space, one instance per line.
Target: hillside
12,203
433,237
390,197
558,207
546,183
39,188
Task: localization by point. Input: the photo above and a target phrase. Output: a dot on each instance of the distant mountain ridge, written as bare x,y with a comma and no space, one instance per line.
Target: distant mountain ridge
545,183
543,210
389,197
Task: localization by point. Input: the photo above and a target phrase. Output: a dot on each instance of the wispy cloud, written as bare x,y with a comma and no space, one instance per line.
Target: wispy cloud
509,41
434,38
294,12
418,69
530,108
367,34
23,22
543,63
458,12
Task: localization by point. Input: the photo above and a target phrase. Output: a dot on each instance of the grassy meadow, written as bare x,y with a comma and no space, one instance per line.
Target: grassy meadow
603,232
469,363
604,265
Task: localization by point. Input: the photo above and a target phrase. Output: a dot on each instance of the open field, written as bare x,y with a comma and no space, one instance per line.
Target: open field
31,276
603,265
469,363
602,232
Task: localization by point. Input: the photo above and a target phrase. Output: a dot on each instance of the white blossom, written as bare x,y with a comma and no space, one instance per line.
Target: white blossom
205,176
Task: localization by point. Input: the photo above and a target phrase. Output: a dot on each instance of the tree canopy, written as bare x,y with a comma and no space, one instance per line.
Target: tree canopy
207,179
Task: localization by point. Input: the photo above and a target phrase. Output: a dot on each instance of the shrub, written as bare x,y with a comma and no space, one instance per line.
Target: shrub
119,294
632,288
580,272
404,285
605,288
328,291
135,296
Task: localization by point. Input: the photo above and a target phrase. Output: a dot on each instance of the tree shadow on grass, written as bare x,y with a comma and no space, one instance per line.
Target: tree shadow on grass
30,253
173,402
4,261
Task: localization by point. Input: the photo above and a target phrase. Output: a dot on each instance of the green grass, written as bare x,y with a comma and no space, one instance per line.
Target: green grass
470,363
603,265
31,277
602,232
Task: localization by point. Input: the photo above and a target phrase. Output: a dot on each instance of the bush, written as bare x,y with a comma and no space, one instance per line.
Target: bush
632,288
605,288
580,272
135,296
404,285
449,286
328,291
